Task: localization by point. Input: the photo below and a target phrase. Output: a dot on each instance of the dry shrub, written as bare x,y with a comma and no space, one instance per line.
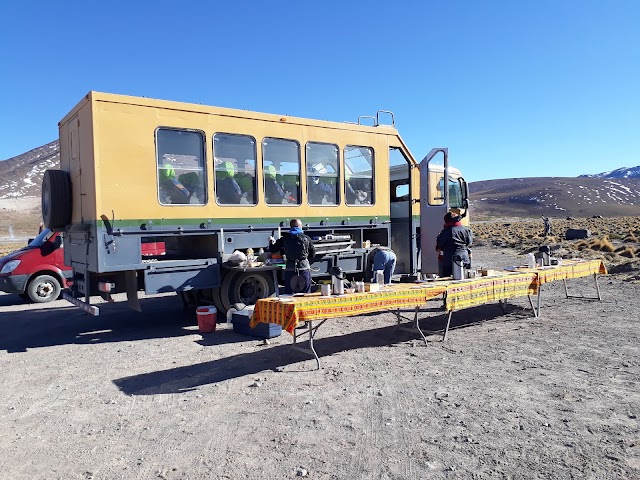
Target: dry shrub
603,244
630,238
606,245
627,252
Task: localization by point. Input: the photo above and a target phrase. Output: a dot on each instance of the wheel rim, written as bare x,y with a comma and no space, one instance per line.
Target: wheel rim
251,289
45,289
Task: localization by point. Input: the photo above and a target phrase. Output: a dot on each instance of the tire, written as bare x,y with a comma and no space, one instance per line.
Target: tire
43,288
56,199
245,287
217,302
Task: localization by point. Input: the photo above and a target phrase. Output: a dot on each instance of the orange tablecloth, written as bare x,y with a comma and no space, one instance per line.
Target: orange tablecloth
289,311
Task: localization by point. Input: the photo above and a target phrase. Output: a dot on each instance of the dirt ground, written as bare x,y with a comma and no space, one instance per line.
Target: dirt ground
145,396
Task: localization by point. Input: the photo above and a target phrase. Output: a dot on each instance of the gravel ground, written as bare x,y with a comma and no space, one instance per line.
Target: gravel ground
145,396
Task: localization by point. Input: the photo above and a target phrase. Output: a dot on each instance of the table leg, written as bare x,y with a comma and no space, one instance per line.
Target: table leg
415,325
598,297
275,282
446,330
536,312
311,330
503,306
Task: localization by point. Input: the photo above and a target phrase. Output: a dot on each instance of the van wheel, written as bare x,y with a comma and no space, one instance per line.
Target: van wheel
245,287
56,199
43,288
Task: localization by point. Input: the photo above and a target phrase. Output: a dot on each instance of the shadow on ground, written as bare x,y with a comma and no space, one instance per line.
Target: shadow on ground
186,378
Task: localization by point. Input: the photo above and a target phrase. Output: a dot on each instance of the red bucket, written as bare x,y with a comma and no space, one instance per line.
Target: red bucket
206,319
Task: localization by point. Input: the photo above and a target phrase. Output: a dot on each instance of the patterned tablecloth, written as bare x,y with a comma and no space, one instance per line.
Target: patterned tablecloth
468,293
568,270
289,311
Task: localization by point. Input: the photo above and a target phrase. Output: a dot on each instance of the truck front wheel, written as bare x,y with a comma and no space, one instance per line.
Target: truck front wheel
43,288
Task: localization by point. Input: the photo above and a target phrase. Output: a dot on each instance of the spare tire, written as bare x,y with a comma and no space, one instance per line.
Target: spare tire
56,199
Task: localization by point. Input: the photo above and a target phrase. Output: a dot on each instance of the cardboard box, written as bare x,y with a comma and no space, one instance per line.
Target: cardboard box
488,273
371,287
241,322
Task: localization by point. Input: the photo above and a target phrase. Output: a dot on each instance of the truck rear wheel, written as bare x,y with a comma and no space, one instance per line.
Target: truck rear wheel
245,287
56,199
43,288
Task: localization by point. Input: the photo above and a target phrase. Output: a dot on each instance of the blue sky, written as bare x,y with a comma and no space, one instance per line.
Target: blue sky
513,89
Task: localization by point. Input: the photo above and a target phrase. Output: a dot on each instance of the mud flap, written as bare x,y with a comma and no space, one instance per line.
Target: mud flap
131,284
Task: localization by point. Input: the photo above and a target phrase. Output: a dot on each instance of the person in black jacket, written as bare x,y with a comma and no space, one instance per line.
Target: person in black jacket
454,239
300,252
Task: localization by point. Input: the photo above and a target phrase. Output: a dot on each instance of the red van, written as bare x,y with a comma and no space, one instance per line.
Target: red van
36,272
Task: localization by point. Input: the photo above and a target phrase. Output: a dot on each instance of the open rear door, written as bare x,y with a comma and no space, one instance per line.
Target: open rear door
434,204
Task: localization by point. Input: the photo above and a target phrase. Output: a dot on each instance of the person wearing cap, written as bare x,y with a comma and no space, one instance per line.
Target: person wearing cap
227,189
300,253
273,191
454,239
171,190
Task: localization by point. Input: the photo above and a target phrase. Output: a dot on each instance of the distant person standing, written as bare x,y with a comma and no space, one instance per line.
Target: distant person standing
454,240
547,226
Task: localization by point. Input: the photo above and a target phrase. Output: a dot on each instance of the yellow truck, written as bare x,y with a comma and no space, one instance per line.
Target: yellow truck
208,181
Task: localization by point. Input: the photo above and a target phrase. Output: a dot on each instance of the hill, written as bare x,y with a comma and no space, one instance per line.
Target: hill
556,196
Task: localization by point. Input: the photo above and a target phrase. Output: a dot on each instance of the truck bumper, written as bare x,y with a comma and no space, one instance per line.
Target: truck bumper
13,283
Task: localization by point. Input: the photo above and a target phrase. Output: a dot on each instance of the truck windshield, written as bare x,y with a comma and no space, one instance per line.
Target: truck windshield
41,239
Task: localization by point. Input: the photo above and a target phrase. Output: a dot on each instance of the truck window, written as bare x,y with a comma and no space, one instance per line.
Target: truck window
235,169
455,190
358,165
322,173
281,171
180,164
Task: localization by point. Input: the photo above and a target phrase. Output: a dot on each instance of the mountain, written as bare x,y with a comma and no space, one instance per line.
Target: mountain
556,196
624,172
21,176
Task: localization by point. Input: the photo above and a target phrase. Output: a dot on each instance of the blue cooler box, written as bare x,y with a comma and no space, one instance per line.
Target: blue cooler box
241,320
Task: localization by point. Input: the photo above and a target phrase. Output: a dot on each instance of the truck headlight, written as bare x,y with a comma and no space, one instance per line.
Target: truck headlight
10,266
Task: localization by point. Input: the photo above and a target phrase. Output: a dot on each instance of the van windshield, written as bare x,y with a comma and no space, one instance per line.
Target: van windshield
41,239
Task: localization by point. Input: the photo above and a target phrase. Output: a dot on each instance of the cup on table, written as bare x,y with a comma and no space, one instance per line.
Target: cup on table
325,290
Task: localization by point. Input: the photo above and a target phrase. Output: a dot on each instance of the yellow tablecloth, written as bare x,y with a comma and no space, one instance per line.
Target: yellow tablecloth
468,293
289,311
568,270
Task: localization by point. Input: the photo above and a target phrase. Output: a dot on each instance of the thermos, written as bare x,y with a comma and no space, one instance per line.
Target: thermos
337,286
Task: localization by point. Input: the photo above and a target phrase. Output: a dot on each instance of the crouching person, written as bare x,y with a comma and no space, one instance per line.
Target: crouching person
381,259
